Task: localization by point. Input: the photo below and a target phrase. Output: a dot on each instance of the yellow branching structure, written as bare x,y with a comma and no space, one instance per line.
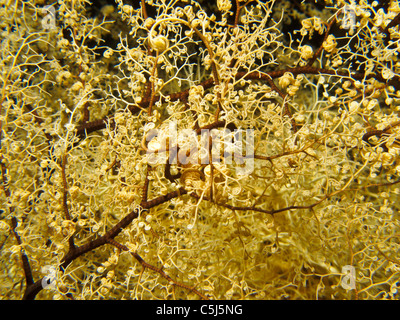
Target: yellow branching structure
199,150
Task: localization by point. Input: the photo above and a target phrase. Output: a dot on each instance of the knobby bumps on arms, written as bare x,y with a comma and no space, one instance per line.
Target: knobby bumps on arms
82,93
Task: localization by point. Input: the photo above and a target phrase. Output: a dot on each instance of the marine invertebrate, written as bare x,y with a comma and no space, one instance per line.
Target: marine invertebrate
78,105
